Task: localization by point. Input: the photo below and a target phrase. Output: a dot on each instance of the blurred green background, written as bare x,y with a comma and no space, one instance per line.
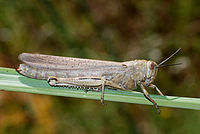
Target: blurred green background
118,30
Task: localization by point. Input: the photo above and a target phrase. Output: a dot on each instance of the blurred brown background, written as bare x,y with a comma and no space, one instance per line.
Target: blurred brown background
118,30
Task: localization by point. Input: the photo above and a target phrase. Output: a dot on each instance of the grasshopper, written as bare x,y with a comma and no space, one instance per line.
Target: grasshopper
92,75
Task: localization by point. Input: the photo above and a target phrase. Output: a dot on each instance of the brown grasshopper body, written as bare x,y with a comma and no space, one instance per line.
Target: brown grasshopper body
91,74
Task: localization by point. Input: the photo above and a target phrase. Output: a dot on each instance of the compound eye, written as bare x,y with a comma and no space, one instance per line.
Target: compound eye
152,66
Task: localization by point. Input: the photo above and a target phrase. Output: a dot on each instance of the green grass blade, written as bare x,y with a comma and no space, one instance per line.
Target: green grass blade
10,80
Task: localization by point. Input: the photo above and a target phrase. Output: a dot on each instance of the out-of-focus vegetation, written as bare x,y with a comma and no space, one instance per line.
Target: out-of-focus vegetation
109,30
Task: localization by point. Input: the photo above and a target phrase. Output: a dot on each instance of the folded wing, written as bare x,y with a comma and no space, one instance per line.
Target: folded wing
42,66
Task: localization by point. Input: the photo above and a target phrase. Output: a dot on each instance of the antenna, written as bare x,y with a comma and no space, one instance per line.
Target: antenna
166,65
161,64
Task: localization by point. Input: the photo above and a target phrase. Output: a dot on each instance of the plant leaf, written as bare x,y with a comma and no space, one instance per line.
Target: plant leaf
10,80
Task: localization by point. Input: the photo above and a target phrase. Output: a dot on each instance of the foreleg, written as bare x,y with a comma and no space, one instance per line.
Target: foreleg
156,88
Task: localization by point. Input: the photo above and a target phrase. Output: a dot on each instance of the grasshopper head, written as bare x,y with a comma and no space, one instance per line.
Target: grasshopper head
151,72
152,68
